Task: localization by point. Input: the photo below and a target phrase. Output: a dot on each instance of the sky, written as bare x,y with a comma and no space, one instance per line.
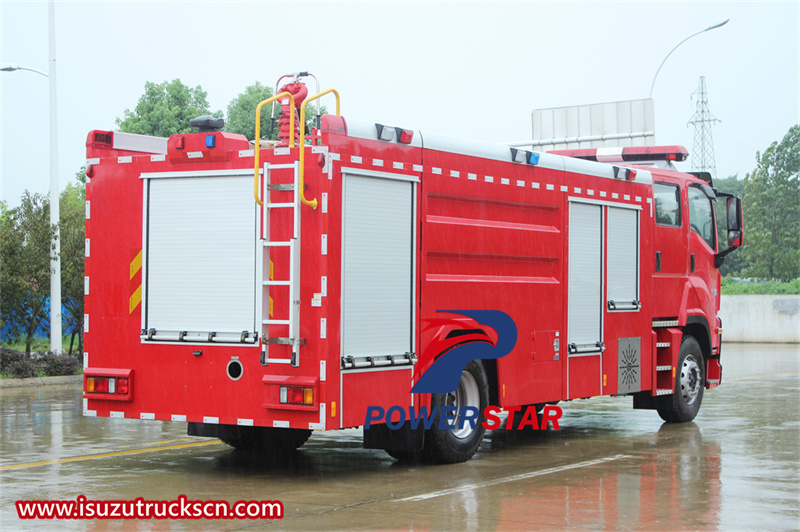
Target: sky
468,69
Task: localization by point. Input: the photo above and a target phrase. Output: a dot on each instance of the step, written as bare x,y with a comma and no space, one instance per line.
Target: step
660,345
663,392
277,283
663,368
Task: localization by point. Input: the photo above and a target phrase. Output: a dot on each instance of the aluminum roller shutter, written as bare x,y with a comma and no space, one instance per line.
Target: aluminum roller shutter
377,266
623,255
585,274
200,254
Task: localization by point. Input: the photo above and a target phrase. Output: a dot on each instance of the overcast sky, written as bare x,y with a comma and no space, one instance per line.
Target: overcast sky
475,70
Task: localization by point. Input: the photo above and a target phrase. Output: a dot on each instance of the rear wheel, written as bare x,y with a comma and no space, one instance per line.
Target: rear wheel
690,379
267,439
458,444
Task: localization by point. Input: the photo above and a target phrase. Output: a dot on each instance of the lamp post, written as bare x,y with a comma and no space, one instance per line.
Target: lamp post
55,257
715,26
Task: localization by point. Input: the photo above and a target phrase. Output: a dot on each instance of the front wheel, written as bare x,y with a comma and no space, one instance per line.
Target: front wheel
459,443
690,380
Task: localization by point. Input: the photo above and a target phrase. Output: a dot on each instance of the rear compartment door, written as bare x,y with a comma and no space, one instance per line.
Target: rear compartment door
200,260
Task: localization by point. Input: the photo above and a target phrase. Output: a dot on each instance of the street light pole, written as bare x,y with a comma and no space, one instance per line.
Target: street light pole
55,252
715,26
55,263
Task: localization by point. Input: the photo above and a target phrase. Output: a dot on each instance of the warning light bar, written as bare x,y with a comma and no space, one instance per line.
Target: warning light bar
627,154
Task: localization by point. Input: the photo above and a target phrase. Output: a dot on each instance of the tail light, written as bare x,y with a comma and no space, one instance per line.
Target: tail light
109,384
291,395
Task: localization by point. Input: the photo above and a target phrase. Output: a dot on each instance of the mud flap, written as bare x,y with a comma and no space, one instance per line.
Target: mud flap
403,439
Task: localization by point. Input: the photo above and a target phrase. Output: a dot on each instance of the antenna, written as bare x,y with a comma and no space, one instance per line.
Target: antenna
703,148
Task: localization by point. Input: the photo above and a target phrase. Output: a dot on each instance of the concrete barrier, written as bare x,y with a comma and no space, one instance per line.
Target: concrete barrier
760,319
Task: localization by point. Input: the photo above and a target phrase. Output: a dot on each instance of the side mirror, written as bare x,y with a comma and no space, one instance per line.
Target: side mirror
734,208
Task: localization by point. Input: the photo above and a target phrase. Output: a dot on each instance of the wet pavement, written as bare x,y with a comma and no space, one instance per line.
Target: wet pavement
737,467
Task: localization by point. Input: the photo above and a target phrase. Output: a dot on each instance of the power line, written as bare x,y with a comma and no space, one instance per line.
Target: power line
703,147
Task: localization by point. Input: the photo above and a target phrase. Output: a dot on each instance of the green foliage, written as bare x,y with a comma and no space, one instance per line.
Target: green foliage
737,287
25,250
73,229
242,113
772,212
241,117
17,365
165,109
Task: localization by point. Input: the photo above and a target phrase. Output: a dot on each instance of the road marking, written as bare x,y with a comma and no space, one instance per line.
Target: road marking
106,455
513,478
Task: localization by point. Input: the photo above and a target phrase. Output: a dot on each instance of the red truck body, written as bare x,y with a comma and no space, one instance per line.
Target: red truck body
205,307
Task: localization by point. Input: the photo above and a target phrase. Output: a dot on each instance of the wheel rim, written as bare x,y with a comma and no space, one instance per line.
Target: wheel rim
690,380
467,394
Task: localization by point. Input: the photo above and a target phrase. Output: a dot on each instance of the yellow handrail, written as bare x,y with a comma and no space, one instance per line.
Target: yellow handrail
258,135
313,203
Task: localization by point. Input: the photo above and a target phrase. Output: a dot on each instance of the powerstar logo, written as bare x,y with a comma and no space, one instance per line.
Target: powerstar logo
445,372
456,343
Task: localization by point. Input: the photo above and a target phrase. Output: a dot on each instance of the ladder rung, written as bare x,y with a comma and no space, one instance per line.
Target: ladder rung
280,205
285,187
276,322
277,283
663,368
275,244
282,340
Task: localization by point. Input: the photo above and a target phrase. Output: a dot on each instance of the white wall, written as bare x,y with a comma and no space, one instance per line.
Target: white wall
763,319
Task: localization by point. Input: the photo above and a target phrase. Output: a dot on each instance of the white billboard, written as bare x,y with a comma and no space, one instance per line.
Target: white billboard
599,125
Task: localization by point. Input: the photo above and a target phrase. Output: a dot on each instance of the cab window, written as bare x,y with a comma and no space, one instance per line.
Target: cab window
701,215
668,204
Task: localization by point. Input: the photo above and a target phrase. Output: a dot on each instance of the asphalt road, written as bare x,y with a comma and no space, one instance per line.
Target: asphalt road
737,467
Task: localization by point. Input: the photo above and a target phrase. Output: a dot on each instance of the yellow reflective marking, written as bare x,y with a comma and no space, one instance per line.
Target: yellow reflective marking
136,264
333,409
605,379
135,299
106,455
270,308
271,270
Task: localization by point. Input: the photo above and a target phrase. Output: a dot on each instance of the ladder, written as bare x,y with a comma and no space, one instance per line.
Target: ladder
287,317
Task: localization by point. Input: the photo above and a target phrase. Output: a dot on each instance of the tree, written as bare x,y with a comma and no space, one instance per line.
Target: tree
772,215
165,109
25,251
241,117
73,230
242,113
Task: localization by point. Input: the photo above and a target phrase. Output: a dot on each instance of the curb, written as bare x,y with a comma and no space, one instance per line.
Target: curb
41,381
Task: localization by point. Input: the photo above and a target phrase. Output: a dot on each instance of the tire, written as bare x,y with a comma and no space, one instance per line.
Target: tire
459,444
267,439
690,379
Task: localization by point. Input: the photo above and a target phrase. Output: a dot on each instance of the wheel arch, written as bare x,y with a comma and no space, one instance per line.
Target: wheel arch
697,327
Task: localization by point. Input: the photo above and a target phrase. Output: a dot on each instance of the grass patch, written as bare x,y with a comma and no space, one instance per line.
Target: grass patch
744,287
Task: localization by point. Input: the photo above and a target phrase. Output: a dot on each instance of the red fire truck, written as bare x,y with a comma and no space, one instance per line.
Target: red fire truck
261,293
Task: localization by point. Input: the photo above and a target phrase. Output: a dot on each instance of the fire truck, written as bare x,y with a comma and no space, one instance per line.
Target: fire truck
262,291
